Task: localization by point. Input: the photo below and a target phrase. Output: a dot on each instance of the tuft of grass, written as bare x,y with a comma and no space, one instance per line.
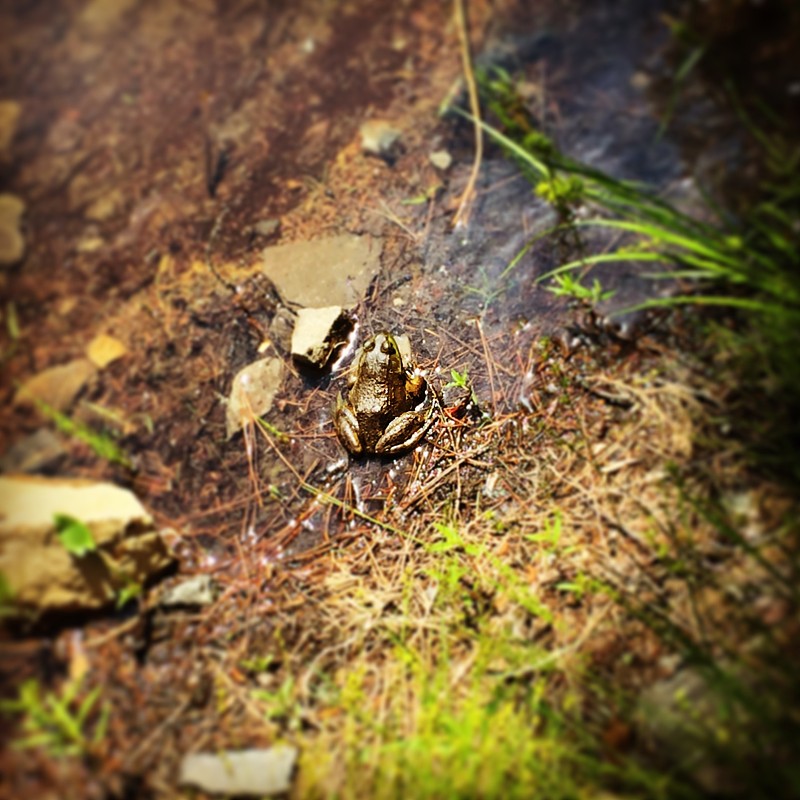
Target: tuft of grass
762,260
758,252
450,698
749,263
568,286
63,724
102,444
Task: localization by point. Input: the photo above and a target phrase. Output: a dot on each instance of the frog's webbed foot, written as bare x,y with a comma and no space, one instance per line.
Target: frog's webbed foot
404,432
346,424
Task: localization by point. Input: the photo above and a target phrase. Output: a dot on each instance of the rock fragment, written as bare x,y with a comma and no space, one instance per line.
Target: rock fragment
105,349
199,590
318,332
242,773
267,227
39,571
380,138
57,386
254,388
12,242
441,159
335,271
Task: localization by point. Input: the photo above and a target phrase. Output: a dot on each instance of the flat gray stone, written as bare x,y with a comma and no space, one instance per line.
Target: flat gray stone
199,590
326,272
251,773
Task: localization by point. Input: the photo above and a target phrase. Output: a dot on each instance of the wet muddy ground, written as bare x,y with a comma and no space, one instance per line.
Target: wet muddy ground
161,147
157,143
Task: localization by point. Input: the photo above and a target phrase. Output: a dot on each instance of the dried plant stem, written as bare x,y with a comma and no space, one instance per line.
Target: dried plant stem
465,204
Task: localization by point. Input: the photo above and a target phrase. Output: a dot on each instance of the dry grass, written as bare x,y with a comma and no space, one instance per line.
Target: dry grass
559,553
483,628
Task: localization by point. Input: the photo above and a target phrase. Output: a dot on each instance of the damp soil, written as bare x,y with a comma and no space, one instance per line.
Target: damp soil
163,145
157,139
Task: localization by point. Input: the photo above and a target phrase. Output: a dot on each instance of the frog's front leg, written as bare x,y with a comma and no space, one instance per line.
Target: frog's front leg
346,424
404,432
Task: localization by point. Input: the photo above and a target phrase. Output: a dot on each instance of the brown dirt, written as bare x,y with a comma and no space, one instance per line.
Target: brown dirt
153,139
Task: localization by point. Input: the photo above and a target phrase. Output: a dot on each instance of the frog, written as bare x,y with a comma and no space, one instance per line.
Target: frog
381,414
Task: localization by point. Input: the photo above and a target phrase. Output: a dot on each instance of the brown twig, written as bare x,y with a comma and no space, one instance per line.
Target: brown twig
462,214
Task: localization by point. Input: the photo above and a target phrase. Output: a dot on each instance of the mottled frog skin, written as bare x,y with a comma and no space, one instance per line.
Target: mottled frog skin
379,413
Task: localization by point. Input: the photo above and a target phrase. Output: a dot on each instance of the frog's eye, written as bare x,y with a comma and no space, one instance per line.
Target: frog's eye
369,345
388,348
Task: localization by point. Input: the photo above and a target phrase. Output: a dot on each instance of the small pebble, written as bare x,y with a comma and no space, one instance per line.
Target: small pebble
441,159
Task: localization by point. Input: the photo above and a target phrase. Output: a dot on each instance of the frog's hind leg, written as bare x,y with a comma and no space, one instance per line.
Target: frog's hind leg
403,433
346,425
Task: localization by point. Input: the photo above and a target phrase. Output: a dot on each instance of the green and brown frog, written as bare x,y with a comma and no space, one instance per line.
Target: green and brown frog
380,414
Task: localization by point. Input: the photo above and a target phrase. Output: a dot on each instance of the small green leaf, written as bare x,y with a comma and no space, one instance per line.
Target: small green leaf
415,201
12,322
74,535
129,592
459,379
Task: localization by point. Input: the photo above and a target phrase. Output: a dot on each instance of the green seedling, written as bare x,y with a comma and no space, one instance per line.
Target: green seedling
270,429
102,444
257,664
74,535
280,704
461,380
568,286
62,724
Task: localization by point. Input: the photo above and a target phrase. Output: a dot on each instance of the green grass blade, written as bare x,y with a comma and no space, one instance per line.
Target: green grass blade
747,304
